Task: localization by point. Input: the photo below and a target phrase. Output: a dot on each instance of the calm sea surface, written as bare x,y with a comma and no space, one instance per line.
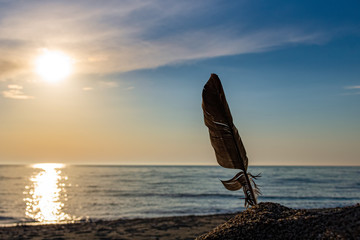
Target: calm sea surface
56,193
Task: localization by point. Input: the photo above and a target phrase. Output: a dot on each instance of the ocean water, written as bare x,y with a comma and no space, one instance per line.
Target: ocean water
55,193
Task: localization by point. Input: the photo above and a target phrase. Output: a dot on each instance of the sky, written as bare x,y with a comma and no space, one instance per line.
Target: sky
290,71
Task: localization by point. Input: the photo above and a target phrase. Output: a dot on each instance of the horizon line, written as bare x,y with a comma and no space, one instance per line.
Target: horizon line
164,165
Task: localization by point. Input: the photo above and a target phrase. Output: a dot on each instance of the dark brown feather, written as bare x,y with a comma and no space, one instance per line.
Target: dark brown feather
224,137
236,183
232,186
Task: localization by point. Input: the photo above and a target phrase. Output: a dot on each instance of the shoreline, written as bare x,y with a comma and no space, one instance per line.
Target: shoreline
92,220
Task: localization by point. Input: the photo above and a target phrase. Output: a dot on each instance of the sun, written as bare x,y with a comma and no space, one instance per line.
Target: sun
53,66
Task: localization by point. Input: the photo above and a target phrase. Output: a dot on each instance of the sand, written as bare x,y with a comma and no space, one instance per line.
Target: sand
264,221
274,221
187,227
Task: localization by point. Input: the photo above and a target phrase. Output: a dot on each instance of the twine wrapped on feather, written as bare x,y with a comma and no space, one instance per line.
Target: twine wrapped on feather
226,141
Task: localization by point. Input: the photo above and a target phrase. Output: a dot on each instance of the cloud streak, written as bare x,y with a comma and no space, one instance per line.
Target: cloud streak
352,90
86,89
353,87
119,36
15,92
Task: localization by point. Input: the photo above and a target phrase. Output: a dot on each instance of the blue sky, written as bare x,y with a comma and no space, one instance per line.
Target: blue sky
290,70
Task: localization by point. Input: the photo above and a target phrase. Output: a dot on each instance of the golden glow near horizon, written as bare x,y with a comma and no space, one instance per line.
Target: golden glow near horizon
43,203
46,166
53,66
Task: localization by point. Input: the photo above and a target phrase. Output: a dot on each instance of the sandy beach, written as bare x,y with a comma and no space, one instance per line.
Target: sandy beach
264,221
186,227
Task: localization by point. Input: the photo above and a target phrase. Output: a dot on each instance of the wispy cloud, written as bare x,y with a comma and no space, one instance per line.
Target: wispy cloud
8,68
352,87
350,93
87,89
119,36
14,86
15,92
352,90
109,84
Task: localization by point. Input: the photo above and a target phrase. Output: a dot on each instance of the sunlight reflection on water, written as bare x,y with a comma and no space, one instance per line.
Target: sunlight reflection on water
45,195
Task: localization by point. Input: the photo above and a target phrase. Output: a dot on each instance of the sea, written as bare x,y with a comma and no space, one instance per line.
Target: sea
57,193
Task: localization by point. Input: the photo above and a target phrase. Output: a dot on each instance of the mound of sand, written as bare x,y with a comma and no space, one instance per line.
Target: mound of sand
274,221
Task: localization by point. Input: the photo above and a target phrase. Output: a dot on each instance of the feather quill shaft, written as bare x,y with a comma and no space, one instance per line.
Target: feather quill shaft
225,139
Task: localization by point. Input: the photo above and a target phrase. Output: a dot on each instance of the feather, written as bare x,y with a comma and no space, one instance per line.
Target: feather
236,183
225,139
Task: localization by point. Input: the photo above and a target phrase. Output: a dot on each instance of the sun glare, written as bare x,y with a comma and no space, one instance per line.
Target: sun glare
53,66
44,202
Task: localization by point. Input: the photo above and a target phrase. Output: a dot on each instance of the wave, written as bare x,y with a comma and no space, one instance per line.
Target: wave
10,178
299,180
217,196
2,218
167,195
10,221
308,198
